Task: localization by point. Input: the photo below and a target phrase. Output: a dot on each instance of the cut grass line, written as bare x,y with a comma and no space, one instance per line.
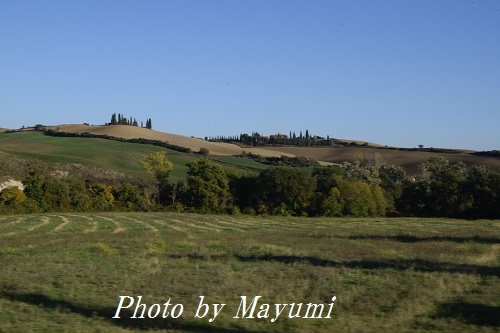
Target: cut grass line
92,222
63,224
218,226
164,224
147,225
16,221
119,227
9,233
196,226
45,221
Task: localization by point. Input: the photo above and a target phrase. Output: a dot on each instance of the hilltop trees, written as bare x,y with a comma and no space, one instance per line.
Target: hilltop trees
121,120
258,139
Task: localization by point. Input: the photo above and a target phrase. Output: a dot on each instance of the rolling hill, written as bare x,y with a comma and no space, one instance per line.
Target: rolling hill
67,150
133,132
20,151
409,159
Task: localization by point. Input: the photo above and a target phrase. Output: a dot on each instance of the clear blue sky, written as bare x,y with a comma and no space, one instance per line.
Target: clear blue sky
400,73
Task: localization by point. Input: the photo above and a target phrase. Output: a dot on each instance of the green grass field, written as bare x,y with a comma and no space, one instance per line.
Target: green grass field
65,272
108,154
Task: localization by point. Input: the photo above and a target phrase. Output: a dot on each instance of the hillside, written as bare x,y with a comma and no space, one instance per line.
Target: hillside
34,148
132,132
407,159
325,155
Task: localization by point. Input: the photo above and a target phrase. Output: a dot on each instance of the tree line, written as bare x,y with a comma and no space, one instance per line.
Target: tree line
352,189
293,139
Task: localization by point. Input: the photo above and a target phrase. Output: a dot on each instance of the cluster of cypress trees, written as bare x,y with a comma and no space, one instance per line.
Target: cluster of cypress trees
121,120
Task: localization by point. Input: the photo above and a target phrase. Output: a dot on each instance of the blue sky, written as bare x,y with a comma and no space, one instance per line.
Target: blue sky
400,73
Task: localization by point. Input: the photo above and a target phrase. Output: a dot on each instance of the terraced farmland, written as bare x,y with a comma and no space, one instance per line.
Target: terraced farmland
66,272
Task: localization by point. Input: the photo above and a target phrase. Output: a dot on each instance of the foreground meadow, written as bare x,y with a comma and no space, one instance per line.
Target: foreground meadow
66,272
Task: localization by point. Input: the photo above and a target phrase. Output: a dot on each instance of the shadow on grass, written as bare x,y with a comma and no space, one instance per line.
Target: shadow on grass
400,264
415,239
125,321
470,313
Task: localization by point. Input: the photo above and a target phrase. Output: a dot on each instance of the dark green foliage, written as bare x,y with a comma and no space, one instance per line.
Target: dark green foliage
482,193
286,190
176,194
208,186
293,161
130,197
391,177
81,200
327,177
34,188
121,120
243,189
57,195
452,190
204,151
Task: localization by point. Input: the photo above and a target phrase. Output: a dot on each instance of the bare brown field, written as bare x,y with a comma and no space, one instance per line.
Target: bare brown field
407,159
133,132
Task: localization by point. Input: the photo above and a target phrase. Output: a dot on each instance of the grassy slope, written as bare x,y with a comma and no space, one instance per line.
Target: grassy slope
119,156
65,272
